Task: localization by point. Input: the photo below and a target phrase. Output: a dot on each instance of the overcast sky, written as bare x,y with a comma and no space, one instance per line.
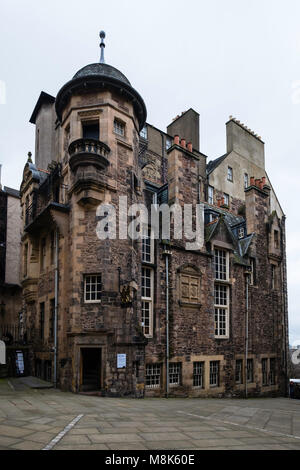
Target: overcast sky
221,58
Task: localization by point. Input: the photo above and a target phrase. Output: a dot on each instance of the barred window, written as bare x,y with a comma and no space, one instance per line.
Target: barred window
221,311
147,246
239,371
92,288
153,374
198,374
174,373
220,260
147,301
264,369
272,375
214,373
119,127
250,370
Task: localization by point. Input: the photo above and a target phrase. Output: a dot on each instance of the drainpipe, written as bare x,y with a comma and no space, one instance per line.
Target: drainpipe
167,253
246,333
56,308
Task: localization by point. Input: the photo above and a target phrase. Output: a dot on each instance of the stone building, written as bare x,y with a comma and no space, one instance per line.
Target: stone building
11,318
149,317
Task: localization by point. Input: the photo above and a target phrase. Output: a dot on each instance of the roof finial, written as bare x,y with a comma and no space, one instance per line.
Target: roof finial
102,46
29,157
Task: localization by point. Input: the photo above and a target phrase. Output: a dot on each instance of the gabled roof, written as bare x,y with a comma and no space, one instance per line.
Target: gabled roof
12,192
245,243
44,98
214,163
240,246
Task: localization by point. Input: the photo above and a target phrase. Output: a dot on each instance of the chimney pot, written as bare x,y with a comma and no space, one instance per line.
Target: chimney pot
190,146
261,184
183,143
252,181
263,180
257,182
176,139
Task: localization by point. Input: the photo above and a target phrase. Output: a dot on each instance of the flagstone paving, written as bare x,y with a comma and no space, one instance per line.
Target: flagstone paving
32,418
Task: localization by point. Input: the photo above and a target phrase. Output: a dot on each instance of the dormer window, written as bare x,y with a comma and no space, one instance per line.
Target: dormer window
241,232
119,128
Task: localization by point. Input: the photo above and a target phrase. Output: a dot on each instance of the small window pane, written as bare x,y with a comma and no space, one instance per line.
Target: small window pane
214,372
92,288
153,373
119,128
198,374
175,373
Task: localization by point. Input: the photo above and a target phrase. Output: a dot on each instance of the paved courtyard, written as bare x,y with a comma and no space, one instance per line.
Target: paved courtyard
37,418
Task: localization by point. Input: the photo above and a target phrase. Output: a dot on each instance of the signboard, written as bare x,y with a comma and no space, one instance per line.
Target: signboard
2,353
20,362
121,361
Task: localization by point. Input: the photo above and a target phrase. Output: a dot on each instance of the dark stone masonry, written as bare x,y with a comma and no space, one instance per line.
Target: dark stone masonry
114,315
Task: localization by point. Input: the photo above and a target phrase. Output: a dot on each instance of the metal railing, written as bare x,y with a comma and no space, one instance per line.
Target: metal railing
14,334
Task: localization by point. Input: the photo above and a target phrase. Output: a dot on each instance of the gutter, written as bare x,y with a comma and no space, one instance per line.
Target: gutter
56,307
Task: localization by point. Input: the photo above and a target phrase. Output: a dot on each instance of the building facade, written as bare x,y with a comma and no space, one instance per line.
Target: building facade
146,316
11,317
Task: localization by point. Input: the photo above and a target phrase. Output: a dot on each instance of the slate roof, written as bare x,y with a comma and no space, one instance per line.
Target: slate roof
12,192
214,163
240,246
102,70
245,243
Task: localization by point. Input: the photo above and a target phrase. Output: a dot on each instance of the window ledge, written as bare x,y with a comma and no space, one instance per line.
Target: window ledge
120,141
189,304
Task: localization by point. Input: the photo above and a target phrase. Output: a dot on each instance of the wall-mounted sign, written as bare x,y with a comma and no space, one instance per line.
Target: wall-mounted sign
20,362
2,353
121,361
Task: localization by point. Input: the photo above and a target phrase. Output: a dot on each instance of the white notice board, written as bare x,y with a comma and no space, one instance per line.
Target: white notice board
121,361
